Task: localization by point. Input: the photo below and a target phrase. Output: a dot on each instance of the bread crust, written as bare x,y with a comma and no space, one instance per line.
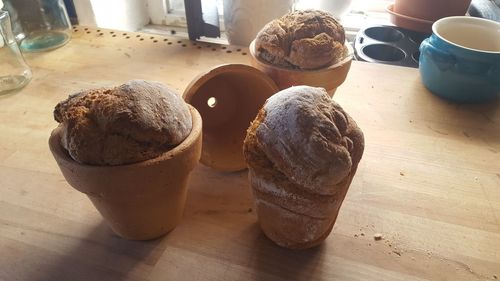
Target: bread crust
302,151
136,121
308,39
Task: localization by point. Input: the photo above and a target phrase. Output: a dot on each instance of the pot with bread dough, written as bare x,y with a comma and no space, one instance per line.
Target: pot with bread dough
302,151
303,48
130,149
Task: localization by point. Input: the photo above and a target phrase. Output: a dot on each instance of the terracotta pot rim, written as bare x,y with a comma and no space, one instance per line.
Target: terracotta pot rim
347,59
187,143
202,78
390,10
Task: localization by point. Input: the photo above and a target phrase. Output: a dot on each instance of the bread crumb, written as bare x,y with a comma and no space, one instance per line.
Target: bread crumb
377,236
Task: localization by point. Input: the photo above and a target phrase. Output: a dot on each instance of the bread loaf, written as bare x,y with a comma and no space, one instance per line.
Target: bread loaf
136,121
302,151
307,39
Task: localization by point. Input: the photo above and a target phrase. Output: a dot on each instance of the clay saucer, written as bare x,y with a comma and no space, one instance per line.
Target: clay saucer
407,22
431,9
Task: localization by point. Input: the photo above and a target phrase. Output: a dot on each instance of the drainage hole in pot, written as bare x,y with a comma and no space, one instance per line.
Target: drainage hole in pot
416,56
212,102
385,34
383,52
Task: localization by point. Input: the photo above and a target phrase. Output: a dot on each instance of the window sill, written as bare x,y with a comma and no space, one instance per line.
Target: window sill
352,23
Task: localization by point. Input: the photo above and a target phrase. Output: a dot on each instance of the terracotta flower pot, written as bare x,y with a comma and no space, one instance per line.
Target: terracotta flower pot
329,77
228,98
142,200
431,10
287,228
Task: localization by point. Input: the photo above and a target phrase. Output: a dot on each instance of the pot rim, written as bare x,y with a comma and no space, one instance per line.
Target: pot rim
204,77
186,144
342,62
419,25
390,10
464,19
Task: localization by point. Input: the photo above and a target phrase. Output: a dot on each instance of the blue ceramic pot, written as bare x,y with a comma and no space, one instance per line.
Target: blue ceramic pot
461,60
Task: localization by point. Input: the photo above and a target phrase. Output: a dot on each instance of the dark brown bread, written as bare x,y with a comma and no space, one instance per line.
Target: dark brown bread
307,39
302,151
136,121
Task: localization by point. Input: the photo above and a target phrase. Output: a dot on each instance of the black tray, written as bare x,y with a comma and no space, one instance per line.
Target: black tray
389,45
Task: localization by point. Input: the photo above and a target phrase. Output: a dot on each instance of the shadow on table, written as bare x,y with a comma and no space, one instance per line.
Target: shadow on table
101,255
274,262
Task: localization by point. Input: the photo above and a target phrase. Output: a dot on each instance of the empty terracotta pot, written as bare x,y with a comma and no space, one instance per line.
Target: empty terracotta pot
228,98
329,77
142,200
431,10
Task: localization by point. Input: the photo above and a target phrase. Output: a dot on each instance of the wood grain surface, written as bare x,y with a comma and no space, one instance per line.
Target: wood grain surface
429,182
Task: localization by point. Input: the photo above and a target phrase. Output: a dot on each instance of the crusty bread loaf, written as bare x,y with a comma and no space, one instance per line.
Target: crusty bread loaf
136,121
302,150
307,39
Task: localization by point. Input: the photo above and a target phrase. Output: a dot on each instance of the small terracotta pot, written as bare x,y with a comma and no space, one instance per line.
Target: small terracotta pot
329,77
142,200
293,230
431,10
228,98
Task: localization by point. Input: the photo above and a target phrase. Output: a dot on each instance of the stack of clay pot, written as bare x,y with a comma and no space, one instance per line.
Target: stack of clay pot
419,15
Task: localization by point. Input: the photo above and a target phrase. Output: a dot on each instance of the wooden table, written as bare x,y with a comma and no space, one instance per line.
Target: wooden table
429,182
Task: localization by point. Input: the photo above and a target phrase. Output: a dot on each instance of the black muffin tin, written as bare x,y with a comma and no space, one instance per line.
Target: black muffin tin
388,45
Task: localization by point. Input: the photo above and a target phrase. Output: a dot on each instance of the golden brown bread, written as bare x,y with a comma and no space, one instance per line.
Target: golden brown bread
306,39
302,151
136,121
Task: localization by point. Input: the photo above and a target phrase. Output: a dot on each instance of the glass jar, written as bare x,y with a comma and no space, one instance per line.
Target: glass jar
39,25
14,72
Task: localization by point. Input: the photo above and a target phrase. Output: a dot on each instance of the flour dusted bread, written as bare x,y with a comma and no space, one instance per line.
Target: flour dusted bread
302,151
307,39
136,121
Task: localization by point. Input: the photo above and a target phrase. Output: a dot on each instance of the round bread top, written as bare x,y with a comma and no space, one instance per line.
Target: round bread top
309,138
133,122
308,39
